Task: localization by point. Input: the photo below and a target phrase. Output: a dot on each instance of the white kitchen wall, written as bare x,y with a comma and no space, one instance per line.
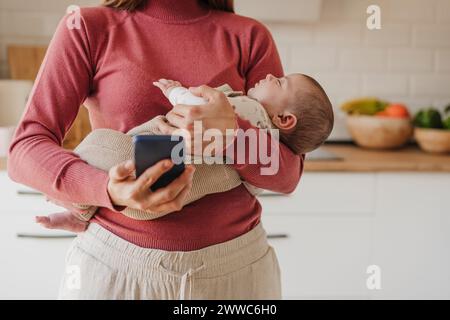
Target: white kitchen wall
30,22
408,60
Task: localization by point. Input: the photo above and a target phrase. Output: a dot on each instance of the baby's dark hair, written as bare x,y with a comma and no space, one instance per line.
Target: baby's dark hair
315,118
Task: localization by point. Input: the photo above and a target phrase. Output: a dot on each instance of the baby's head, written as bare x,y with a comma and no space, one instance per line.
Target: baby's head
299,107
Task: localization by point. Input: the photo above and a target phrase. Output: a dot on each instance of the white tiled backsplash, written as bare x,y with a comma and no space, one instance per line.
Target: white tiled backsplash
408,60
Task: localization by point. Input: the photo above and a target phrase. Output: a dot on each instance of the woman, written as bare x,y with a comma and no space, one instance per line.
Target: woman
109,63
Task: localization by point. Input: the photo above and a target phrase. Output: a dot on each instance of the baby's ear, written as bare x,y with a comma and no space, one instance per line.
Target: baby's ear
285,121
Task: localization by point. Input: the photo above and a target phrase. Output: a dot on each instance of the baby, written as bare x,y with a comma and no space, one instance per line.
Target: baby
296,105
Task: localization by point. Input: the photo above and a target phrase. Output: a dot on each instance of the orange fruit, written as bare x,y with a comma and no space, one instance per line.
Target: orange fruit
382,114
394,110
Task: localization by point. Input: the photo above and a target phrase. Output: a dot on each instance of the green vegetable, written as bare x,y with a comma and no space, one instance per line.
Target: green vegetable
428,118
447,110
446,123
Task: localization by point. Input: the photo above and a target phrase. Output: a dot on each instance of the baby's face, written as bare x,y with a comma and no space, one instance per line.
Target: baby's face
276,93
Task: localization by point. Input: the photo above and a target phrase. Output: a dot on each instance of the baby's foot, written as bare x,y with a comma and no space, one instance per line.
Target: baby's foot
62,220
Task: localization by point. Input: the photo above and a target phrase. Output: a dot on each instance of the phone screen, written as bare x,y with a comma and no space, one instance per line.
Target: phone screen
148,150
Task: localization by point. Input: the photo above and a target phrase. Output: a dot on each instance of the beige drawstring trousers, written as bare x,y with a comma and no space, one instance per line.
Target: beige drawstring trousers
100,265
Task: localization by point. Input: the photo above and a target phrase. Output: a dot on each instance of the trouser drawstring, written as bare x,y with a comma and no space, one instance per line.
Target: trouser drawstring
184,279
187,276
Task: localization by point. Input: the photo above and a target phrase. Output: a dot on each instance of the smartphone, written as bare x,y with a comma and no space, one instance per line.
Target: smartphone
148,150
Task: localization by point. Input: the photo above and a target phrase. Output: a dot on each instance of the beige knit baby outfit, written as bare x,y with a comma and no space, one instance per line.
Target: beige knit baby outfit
105,148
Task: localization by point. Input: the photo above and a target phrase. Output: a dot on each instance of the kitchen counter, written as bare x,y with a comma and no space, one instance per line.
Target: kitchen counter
355,159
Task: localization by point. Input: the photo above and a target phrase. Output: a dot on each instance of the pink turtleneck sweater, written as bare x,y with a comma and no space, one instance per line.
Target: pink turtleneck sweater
109,64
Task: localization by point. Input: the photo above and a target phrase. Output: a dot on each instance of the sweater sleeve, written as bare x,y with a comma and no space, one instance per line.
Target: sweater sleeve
263,58
274,167
36,157
262,55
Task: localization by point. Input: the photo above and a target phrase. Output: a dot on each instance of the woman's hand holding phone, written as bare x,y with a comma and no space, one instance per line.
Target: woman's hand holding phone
126,190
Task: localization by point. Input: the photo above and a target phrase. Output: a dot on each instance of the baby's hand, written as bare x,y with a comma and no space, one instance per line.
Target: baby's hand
166,85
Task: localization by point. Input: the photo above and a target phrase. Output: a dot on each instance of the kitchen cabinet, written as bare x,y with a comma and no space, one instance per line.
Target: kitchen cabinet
321,257
326,193
412,235
31,267
399,222
326,234
327,222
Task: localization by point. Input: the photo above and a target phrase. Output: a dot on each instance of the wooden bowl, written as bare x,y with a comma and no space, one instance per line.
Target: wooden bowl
433,140
379,132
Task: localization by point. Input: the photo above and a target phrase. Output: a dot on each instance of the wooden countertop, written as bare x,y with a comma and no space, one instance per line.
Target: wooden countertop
355,159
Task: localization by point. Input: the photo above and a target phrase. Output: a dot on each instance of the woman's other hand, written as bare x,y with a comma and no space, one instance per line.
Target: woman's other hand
217,114
126,190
